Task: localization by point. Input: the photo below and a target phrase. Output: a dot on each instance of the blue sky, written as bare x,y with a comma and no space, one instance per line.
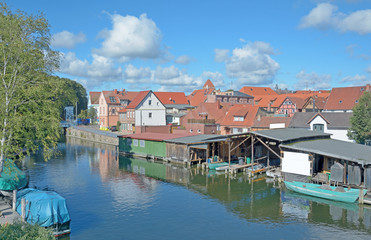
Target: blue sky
177,45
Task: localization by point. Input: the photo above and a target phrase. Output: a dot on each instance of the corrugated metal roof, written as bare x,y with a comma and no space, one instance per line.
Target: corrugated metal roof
199,146
193,139
290,134
334,148
154,136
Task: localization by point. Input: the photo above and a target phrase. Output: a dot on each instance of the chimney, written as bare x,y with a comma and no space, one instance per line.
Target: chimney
218,104
269,106
367,87
115,91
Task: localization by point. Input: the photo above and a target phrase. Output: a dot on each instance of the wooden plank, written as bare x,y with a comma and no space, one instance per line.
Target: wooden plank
269,148
240,143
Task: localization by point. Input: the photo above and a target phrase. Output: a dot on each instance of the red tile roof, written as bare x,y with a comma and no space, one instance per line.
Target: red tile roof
140,96
172,97
344,98
257,91
94,97
198,96
214,111
118,95
236,110
208,85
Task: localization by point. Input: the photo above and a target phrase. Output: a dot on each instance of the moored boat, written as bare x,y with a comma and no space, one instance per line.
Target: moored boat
215,165
46,209
325,191
12,178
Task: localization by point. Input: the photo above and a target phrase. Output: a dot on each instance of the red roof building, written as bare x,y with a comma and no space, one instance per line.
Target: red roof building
238,119
344,99
257,91
199,96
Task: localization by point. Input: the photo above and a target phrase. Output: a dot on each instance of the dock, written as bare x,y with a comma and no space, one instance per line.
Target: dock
7,215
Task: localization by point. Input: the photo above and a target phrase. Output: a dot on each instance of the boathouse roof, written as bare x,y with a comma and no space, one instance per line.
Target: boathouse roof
290,134
202,138
334,148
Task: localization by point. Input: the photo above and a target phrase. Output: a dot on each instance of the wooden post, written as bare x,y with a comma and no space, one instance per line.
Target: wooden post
14,200
361,195
229,152
23,207
345,174
252,150
268,159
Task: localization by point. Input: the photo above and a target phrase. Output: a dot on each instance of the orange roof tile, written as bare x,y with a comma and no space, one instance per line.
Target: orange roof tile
94,97
172,97
344,98
257,91
116,96
250,114
208,85
141,95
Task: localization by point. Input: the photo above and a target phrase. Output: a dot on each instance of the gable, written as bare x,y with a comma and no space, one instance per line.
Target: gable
150,101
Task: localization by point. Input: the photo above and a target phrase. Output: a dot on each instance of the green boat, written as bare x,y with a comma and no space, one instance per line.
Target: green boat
213,166
325,191
12,178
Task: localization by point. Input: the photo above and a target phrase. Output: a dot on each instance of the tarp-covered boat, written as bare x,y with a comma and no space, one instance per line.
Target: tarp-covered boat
45,208
12,178
325,191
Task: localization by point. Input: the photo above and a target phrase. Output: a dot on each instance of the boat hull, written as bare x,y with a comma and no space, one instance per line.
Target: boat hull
213,166
349,196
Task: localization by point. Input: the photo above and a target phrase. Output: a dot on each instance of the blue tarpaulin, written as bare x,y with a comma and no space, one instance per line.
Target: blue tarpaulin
44,208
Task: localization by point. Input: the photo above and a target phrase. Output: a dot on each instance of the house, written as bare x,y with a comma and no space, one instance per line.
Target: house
199,96
93,101
290,105
270,122
314,104
110,103
335,123
205,119
176,104
231,96
253,91
239,119
145,110
344,99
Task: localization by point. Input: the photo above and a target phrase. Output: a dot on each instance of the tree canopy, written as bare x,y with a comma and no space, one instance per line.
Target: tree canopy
361,120
31,100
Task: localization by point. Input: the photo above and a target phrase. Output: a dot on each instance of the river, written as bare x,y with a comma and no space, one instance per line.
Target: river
110,196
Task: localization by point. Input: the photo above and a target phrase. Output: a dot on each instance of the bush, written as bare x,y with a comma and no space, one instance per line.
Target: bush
25,231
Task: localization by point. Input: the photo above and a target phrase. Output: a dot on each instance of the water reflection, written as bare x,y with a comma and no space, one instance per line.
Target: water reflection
106,189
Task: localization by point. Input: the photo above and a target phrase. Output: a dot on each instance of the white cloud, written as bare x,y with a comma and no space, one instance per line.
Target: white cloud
252,64
323,16
130,38
183,60
326,15
66,39
312,81
101,68
369,70
355,78
170,78
221,55
351,50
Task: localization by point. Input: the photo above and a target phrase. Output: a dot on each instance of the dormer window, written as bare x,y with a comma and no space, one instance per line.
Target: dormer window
357,101
238,118
340,102
112,99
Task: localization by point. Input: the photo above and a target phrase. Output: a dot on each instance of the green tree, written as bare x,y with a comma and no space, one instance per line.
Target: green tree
29,116
361,120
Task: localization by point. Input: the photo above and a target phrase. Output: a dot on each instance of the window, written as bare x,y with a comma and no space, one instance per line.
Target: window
149,102
112,99
340,102
190,130
150,115
141,142
318,127
199,131
128,141
113,111
135,142
238,118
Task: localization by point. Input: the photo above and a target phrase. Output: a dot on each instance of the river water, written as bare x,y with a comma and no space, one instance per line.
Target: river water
110,196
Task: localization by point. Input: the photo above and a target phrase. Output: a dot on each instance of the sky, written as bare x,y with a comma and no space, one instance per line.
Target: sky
168,45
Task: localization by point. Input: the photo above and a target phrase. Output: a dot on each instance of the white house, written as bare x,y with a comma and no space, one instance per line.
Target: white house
150,111
335,123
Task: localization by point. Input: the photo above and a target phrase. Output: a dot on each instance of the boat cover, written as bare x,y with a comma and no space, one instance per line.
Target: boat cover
12,177
44,208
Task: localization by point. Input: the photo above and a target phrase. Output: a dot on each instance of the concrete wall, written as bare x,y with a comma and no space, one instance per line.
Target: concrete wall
94,136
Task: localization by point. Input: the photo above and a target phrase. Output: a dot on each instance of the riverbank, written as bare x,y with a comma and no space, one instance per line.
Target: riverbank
7,214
